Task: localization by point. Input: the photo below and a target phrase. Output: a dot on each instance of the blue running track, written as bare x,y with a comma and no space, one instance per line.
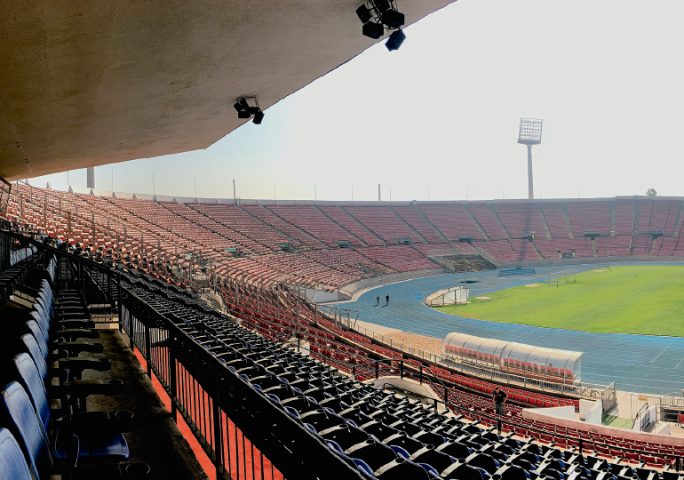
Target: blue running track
637,363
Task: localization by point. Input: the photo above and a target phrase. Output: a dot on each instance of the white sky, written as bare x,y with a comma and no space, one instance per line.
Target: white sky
442,113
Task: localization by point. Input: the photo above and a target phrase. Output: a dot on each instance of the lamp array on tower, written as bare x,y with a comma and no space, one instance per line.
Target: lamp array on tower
530,133
378,15
246,110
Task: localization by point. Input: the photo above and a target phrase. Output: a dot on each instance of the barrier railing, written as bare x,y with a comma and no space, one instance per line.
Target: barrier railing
237,427
579,390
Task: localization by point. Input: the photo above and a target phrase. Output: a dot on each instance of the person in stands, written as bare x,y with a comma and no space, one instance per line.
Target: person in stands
499,397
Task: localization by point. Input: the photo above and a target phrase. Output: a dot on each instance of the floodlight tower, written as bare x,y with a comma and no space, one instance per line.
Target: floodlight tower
530,134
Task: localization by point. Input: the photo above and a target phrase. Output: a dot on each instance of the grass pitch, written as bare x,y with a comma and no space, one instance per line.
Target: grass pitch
630,299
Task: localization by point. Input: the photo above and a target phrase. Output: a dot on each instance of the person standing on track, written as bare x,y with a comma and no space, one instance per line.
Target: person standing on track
387,299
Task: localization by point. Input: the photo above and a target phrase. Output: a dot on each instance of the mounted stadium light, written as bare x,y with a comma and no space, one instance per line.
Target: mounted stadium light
258,117
378,15
245,110
242,107
373,30
393,18
381,5
363,13
395,40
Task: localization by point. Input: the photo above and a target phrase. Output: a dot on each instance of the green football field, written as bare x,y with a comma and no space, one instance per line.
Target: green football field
623,299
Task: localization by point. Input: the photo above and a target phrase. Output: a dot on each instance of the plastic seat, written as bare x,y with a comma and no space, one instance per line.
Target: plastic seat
401,452
484,461
345,435
438,460
13,465
402,469
375,454
363,468
455,449
513,472
463,471
18,414
87,439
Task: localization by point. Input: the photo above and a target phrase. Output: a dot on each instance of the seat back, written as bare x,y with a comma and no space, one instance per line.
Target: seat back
22,420
38,335
42,322
13,465
32,348
29,377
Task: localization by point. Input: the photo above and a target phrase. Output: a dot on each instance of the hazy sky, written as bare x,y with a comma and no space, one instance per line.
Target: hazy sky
441,114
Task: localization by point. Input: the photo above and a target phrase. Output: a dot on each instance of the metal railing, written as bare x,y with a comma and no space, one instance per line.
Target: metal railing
606,393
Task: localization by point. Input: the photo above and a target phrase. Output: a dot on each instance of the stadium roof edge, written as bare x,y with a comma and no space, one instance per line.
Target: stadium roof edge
255,201
91,83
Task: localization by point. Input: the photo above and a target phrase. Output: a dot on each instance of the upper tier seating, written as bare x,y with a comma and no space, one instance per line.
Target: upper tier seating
246,241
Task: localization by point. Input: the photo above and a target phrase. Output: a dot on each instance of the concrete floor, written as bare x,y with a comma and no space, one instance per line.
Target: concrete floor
152,436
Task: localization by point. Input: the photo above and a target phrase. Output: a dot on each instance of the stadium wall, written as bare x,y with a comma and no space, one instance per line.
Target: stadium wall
354,290
590,260
541,415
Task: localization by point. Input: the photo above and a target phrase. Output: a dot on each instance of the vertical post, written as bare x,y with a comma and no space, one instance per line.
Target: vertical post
530,181
379,195
118,301
234,192
401,369
172,379
148,351
218,428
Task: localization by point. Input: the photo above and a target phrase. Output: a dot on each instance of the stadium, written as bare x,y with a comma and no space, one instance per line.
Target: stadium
167,336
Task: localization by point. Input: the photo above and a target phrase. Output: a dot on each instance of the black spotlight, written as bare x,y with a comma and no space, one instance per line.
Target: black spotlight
363,13
242,108
258,117
373,30
393,18
395,40
381,5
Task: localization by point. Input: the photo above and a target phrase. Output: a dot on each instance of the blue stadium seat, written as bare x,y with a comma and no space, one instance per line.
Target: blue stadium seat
363,468
18,414
402,469
375,454
13,465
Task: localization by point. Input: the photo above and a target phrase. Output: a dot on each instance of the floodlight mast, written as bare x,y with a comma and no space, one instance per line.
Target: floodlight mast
530,134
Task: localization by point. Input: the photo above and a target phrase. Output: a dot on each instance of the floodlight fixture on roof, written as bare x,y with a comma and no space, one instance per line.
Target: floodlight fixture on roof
395,40
363,13
246,110
378,15
530,131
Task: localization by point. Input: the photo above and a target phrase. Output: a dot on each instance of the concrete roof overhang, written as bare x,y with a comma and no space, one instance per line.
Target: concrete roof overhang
89,83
